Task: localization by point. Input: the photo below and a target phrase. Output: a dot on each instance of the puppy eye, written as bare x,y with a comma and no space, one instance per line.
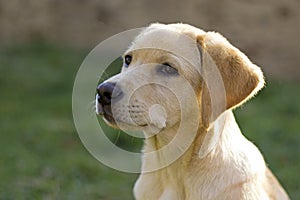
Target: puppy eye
127,60
167,69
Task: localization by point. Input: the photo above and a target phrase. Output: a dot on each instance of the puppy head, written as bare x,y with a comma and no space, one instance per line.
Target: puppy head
151,92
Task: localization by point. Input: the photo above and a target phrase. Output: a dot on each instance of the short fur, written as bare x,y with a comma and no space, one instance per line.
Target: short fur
220,164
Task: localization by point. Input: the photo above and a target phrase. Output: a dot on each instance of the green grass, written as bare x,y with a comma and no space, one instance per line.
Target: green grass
41,156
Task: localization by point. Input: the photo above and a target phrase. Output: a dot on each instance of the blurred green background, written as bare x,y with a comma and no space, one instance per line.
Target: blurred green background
43,43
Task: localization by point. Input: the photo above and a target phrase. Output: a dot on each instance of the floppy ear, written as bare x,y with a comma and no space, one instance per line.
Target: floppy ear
241,78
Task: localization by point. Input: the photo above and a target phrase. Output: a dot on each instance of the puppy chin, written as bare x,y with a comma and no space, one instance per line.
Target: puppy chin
125,126
110,123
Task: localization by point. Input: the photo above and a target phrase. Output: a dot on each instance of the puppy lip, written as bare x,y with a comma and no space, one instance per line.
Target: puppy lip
109,118
100,112
99,109
142,125
104,111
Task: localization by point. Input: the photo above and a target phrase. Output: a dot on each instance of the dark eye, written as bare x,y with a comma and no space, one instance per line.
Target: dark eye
127,60
167,69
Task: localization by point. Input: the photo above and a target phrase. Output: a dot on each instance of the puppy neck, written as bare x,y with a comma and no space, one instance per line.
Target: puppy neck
172,145
214,132
160,139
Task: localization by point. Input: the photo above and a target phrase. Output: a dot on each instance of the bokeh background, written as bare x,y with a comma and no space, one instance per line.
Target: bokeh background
42,44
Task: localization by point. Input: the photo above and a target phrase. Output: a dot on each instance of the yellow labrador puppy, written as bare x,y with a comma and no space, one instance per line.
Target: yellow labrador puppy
178,85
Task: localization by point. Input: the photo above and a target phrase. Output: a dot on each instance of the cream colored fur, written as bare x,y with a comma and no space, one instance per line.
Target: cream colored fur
220,163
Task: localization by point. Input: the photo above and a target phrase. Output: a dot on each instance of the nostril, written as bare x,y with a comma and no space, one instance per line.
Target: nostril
107,95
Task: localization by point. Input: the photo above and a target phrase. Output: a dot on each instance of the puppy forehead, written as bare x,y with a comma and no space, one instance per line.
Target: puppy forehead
171,41
158,56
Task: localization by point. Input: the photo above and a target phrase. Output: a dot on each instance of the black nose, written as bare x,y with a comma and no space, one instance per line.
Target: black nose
108,91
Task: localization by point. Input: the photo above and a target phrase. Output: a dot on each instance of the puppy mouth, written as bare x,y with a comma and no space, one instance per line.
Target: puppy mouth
109,118
106,112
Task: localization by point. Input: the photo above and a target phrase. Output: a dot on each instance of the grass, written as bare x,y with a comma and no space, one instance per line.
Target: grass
41,154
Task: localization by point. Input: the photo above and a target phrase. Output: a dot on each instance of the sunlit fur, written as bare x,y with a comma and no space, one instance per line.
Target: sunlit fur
221,164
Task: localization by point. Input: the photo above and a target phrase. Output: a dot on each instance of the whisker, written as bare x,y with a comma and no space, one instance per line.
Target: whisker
91,107
92,113
104,76
117,138
92,103
132,140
